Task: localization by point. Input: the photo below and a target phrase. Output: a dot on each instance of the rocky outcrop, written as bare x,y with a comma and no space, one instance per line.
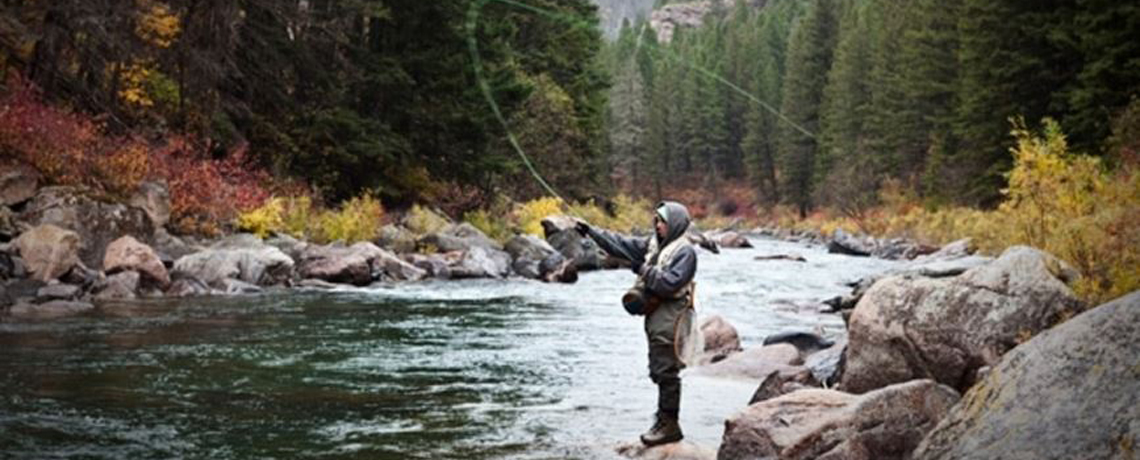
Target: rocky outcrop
534,258
127,253
1070,392
458,237
826,424
479,262
359,264
945,329
827,365
243,258
780,383
48,251
396,239
96,222
845,243
667,19
721,339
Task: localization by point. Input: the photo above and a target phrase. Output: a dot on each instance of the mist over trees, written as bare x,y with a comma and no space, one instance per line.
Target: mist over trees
918,93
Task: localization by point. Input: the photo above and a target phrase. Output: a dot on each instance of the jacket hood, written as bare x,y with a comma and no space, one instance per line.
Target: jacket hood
676,220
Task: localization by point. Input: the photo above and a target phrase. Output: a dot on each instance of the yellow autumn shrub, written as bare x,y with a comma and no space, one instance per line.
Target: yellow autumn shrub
422,221
529,215
264,220
358,219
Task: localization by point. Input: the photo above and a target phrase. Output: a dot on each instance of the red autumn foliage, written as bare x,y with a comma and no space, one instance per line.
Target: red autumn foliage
71,148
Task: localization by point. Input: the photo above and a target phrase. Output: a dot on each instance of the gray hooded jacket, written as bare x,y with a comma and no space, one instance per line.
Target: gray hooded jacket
675,274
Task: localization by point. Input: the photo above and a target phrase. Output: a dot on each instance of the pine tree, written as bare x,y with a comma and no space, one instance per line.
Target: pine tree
808,60
1104,32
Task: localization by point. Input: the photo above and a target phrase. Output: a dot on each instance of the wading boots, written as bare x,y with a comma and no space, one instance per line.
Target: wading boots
664,431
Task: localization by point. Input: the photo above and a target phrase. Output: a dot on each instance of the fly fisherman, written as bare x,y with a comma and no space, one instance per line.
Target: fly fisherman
665,264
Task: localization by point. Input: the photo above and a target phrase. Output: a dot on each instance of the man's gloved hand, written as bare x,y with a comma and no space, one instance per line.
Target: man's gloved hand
636,267
582,227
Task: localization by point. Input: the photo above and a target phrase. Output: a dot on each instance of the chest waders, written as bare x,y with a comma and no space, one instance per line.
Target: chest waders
667,329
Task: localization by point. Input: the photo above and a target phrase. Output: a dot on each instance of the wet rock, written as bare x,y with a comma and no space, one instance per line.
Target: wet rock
827,365
389,267
885,424
240,258
788,257
755,363
24,288
154,199
49,310
119,286
48,251
231,286
845,243
292,247
397,239
901,249
82,276
58,291
730,239
1072,391
434,265
18,182
557,224
805,342
558,269
171,248
479,262
585,253
946,329
127,253
187,287
700,240
720,339
683,450
781,383
528,252
313,283
96,222
8,266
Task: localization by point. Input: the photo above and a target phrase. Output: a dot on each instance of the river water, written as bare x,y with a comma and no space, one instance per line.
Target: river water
476,369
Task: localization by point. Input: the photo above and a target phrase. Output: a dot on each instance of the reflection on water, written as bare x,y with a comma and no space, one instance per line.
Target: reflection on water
469,369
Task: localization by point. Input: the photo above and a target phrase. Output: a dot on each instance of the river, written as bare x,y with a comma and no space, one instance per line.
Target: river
475,369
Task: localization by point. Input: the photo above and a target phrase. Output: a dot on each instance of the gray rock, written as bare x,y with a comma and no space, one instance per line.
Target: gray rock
434,265
529,252
397,239
805,342
6,300
885,424
154,199
730,239
556,224
1072,391
558,269
96,222
946,329
49,310
58,291
292,247
827,365
49,251
389,267
720,337
339,264
479,262
458,237
255,264
8,229
120,286
187,287
171,248
585,253
24,287
845,243
8,266
788,257
313,283
18,183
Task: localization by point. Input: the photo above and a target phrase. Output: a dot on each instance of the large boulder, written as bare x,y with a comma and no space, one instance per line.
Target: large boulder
127,253
247,260
827,365
756,363
48,251
171,248
534,258
946,329
720,339
827,424
58,291
479,262
397,239
119,286
781,383
845,243
458,237
1071,392
584,252
18,183
97,223
433,265
359,264
154,199
339,264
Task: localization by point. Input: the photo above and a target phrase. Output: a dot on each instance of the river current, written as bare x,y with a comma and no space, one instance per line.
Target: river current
475,369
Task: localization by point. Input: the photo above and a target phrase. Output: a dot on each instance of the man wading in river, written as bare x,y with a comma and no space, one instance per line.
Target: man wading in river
665,264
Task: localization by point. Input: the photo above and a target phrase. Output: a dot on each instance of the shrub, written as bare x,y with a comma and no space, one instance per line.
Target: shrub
358,219
264,220
422,221
529,215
